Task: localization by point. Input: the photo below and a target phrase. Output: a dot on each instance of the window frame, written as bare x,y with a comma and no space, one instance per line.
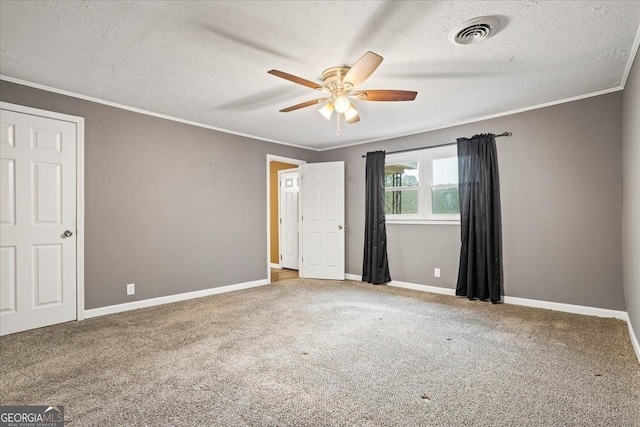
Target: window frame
425,159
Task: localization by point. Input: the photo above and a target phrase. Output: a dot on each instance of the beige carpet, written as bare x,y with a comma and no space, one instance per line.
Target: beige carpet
321,353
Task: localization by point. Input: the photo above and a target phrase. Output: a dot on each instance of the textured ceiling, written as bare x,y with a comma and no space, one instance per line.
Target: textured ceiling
207,62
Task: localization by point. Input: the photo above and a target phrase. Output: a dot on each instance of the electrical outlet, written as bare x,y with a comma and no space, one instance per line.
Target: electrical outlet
131,288
436,272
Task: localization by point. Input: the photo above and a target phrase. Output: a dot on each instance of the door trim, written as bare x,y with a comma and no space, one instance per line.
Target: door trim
79,122
271,158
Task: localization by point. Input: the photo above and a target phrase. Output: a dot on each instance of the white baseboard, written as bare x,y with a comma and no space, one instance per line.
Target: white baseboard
405,285
424,288
272,265
634,340
568,308
119,308
557,306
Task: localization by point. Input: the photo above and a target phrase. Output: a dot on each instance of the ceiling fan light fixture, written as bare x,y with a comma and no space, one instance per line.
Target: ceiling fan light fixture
339,82
350,113
342,104
327,110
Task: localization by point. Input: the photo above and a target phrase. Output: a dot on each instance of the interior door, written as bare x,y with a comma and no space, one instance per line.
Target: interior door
289,190
37,222
322,220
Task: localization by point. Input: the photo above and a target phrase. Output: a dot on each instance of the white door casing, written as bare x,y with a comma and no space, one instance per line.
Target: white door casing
288,212
38,277
322,220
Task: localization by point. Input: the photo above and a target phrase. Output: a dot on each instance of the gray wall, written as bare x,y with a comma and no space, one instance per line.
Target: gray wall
631,196
177,208
170,207
561,189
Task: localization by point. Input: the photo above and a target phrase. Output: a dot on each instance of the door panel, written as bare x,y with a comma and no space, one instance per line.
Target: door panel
332,256
46,193
7,134
332,204
7,192
46,140
8,287
323,220
38,204
47,274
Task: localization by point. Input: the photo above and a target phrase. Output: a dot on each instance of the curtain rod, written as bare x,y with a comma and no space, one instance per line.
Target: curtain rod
434,146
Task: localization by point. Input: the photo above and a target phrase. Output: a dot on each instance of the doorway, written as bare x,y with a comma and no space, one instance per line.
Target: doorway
275,164
280,274
321,210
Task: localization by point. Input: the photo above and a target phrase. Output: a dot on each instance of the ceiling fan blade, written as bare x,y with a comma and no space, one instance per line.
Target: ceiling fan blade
385,95
354,119
295,79
362,69
303,105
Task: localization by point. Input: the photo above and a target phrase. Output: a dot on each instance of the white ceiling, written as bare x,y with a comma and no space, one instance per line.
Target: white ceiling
207,62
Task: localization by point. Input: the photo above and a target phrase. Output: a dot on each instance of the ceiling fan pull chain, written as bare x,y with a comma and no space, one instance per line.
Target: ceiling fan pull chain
338,119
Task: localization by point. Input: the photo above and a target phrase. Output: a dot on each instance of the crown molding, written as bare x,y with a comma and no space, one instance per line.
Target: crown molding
631,59
202,125
141,111
481,119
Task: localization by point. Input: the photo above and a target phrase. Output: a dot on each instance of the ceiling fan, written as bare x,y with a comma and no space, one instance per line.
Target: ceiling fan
339,83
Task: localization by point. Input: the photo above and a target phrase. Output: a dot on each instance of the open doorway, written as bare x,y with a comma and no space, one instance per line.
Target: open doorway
275,164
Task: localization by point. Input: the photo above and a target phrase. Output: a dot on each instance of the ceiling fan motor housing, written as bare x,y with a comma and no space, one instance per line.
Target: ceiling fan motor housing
332,78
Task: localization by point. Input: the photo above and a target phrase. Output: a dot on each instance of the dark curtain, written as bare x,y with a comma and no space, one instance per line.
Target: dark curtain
375,266
480,271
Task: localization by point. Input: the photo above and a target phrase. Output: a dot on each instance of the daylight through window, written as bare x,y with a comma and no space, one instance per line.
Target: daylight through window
422,185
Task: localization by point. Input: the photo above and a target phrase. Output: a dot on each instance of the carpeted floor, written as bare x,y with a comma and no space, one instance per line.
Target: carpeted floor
322,353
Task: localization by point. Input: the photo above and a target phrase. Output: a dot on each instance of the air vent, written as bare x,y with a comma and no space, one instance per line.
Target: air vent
475,30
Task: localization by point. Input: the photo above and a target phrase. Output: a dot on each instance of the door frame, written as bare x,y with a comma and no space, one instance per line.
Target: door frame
280,213
271,158
79,123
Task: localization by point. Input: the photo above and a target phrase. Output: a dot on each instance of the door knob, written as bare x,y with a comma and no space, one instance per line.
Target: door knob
340,227
68,233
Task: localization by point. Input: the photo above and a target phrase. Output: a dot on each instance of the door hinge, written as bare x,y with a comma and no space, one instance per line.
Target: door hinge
280,220
280,257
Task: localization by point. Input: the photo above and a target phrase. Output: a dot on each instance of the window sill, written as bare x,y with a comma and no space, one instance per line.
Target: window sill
424,221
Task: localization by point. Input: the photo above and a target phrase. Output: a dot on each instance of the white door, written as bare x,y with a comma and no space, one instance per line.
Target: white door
37,208
289,189
322,220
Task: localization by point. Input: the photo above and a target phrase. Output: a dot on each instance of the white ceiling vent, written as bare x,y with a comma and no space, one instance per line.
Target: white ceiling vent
475,30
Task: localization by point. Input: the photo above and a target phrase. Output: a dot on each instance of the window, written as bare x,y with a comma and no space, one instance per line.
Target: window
422,186
401,181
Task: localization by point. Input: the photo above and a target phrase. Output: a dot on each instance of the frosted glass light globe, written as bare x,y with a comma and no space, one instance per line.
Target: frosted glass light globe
341,104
